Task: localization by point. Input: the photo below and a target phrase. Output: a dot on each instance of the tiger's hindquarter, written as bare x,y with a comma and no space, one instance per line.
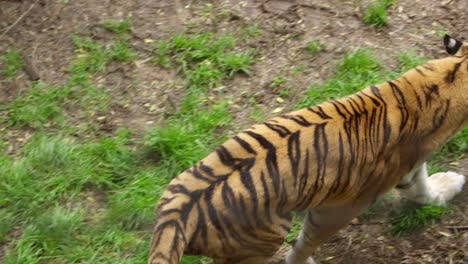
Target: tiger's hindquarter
239,198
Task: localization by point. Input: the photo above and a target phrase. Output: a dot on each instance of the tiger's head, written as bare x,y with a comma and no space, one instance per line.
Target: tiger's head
437,93
456,75
451,78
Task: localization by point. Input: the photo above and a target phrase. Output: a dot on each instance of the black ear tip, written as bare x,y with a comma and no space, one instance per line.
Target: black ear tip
447,37
451,44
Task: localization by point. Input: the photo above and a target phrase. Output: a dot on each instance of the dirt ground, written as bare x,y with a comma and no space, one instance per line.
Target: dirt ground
42,28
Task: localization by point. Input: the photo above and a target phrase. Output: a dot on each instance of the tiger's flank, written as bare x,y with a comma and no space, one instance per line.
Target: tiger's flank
330,160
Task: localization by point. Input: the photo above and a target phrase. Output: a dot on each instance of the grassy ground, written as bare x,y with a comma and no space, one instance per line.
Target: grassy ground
89,199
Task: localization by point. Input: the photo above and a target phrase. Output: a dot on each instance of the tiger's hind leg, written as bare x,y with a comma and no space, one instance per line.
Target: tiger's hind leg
319,225
436,189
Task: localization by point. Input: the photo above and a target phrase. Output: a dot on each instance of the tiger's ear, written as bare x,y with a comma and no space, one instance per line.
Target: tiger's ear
452,45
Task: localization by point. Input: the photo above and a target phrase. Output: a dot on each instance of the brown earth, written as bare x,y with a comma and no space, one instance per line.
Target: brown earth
42,28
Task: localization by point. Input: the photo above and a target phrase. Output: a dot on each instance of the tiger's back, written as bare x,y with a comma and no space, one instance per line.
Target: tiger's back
235,205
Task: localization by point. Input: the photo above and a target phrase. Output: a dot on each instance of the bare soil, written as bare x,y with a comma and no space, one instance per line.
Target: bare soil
146,92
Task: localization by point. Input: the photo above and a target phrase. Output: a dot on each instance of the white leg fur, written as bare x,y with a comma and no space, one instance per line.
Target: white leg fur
294,256
436,189
319,225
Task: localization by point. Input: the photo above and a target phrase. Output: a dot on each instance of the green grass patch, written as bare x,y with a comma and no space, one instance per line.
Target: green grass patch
46,236
38,106
10,63
204,58
457,146
41,192
357,70
91,58
53,168
407,60
314,46
278,81
440,33
121,51
117,27
454,149
132,206
296,227
250,31
188,135
375,13
412,219
7,223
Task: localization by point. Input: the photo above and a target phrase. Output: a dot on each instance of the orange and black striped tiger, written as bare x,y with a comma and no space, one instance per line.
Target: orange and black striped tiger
331,160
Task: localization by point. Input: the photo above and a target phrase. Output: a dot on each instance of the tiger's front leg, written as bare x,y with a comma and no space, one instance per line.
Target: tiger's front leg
436,189
319,225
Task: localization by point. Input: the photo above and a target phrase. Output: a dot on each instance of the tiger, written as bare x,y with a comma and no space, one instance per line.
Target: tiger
330,161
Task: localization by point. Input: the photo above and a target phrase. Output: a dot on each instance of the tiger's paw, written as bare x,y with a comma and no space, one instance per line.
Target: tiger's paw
445,185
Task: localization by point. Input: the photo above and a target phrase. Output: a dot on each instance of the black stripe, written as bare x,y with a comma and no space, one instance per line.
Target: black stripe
354,105
344,107
294,154
399,96
374,101
225,156
243,210
376,92
206,169
164,201
300,120
245,145
319,112
231,203
212,212
371,129
283,201
428,67
303,182
266,198
429,91
351,149
281,130
178,233
440,115
321,152
200,229
339,174
270,160
246,180
196,173
338,110
178,188
420,72
450,77
418,100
